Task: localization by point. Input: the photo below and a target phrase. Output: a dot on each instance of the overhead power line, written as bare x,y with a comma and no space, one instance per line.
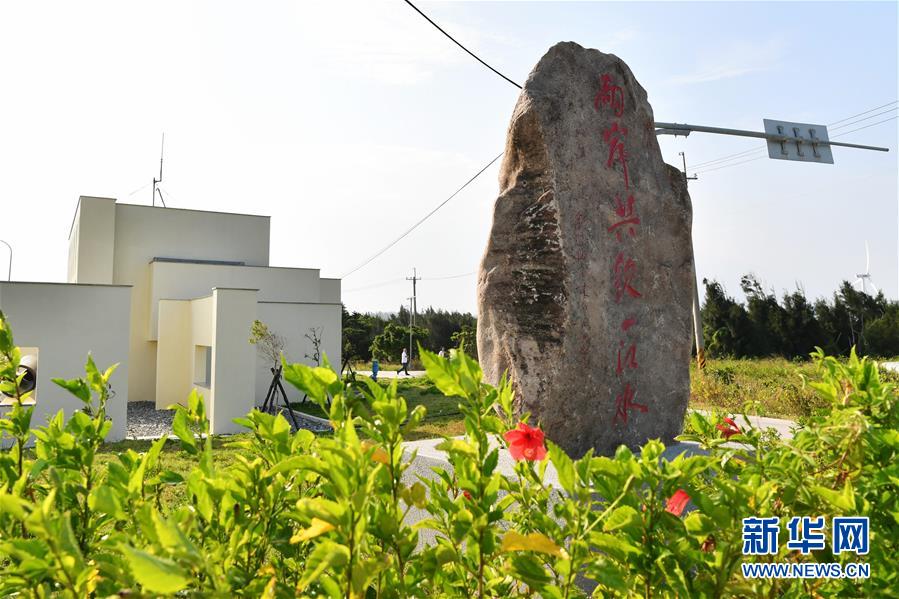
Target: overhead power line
374,285
395,281
869,117
866,126
470,53
865,112
464,274
424,218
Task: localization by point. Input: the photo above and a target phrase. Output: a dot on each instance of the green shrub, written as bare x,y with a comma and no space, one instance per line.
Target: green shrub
328,516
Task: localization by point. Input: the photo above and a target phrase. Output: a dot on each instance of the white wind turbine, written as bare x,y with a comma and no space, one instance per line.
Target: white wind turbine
865,279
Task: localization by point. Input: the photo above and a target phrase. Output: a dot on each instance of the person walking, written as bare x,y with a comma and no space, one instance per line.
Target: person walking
404,360
442,353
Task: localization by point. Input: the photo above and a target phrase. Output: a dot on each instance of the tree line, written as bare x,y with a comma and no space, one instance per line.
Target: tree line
793,326
761,326
383,337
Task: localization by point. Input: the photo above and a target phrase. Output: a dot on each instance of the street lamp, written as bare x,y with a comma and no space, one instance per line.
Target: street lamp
9,272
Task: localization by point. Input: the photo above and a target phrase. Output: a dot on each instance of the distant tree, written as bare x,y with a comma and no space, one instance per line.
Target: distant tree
466,338
725,324
390,343
268,344
882,334
844,321
801,330
766,320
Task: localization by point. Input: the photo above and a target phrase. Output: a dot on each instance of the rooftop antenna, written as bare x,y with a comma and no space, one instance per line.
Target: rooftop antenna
155,180
865,278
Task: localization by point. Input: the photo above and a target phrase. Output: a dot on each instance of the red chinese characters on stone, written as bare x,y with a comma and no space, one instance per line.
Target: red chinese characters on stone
615,136
609,95
629,219
624,403
624,272
630,358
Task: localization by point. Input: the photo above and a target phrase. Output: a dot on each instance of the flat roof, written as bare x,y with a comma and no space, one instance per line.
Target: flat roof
191,210
226,263
58,283
197,261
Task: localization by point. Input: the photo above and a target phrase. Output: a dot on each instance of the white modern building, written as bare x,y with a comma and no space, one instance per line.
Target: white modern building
171,294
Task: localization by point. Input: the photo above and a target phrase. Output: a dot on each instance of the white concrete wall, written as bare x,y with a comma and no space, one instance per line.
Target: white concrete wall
179,280
330,291
293,321
145,232
233,375
174,354
92,241
65,322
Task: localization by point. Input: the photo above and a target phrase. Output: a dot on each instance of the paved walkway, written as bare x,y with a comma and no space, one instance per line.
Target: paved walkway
891,366
392,374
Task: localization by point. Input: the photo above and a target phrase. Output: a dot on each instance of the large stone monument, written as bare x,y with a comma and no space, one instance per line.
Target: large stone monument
585,288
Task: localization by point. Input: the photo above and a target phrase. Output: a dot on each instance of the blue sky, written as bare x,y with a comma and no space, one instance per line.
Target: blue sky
348,121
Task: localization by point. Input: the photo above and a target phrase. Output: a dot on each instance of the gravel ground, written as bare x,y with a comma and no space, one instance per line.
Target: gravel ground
146,422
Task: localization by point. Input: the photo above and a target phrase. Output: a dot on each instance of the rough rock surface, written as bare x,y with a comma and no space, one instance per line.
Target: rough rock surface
584,294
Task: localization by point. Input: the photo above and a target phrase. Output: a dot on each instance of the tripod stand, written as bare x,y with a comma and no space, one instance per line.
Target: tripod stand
348,369
276,390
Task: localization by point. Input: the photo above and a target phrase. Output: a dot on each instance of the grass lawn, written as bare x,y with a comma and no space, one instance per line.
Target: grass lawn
442,418
172,458
773,385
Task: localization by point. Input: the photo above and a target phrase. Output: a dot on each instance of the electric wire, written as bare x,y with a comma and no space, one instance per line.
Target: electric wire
465,274
866,126
423,219
395,281
849,124
374,285
470,53
865,112
699,165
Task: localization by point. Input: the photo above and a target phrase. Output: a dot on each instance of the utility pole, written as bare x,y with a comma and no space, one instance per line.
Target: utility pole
697,315
413,306
411,324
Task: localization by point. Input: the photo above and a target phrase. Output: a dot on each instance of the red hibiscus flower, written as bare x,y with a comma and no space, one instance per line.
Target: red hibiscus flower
677,503
526,443
730,430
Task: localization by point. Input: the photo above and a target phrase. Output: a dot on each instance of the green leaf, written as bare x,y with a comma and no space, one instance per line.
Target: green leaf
77,387
844,500
441,373
623,516
155,574
564,466
326,554
181,428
